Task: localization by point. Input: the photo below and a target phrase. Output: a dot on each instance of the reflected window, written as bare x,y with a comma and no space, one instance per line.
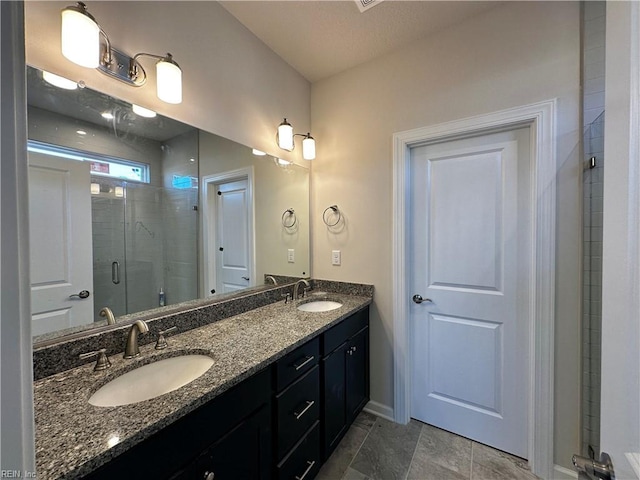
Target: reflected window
100,164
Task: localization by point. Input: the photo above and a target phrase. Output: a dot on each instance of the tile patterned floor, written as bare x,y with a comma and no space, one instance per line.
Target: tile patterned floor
377,449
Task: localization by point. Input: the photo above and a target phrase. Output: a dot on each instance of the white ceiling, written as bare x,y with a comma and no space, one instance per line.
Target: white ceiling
320,38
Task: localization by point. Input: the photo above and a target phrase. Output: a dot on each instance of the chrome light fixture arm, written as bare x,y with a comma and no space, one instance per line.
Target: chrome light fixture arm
81,33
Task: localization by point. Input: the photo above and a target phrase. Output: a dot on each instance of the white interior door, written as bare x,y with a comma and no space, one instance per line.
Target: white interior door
471,224
233,270
60,243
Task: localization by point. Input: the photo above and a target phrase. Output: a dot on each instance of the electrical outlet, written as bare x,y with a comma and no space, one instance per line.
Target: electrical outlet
336,257
291,255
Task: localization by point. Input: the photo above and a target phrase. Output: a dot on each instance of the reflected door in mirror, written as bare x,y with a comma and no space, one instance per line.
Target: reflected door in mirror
60,243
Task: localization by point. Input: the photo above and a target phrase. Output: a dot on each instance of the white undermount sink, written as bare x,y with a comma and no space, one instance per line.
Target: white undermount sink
151,380
319,306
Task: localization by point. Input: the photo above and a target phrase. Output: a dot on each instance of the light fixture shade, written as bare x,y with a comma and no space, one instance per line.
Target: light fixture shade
58,81
95,188
308,147
80,36
285,136
143,112
169,80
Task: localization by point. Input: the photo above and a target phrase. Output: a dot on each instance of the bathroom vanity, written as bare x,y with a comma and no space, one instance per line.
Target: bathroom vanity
283,390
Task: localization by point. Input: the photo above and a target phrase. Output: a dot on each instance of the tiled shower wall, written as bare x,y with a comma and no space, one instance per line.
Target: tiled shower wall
593,145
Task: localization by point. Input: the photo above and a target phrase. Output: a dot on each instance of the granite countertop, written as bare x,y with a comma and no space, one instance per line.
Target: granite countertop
73,437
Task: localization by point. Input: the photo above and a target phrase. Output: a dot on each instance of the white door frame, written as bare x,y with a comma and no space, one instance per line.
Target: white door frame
541,119
208,229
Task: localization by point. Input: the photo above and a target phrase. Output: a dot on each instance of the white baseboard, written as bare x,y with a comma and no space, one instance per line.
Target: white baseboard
562,473
379,410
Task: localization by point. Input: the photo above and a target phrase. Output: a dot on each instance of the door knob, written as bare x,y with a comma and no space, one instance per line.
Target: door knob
418,299
82,294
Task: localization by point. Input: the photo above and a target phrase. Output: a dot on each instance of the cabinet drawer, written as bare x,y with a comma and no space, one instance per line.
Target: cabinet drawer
294,364
336,336
303,463
298,407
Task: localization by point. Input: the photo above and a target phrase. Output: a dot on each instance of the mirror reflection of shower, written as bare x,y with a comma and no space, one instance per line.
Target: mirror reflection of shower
136,230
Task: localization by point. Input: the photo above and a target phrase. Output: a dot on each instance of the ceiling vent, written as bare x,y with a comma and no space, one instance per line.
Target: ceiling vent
365,5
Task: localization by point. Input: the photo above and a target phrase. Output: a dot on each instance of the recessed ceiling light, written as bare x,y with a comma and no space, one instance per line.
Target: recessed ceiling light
58,81
107,115
257,152
192,159
81,132
283,162
143,112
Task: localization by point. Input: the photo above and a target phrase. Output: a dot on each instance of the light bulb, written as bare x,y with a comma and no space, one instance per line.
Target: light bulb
80,36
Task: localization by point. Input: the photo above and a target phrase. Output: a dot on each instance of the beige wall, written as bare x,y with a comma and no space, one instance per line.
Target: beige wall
233,84
520,53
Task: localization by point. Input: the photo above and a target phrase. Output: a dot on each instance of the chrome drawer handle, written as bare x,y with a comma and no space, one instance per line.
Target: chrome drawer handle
311,464
310,403
306,360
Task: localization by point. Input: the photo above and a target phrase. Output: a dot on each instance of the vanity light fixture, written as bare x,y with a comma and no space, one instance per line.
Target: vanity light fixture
143,112
285,139
95,189
81,43
58,81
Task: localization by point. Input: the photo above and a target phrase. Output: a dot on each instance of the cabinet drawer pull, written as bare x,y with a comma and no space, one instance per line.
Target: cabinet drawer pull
310,403
305,361
311,464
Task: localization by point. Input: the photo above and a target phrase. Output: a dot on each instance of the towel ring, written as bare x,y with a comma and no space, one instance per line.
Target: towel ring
289,212
335,210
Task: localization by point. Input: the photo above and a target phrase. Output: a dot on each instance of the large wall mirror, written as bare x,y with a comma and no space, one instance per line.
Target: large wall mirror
133,211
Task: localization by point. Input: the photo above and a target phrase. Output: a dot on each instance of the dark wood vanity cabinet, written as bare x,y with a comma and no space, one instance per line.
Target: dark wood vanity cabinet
297,413
345,376
281,423
229,438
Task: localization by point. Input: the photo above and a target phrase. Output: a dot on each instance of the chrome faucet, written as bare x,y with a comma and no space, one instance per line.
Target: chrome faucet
132,349
106,312
297,286
271,278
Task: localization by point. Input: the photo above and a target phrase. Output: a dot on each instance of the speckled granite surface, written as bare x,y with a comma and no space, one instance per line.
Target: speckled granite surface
63,353
73,437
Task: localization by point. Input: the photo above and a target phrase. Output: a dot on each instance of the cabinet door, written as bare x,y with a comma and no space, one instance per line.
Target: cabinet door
335,407
243,453
357,372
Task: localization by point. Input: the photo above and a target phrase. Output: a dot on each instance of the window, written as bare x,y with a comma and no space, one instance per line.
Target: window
100,164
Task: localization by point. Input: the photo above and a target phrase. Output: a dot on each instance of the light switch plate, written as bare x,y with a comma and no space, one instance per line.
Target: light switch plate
291,255
336,257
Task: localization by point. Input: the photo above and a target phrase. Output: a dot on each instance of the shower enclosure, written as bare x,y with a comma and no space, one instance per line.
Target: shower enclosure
144,240
592,285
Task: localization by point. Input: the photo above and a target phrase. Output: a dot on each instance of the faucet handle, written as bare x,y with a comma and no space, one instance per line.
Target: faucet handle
287,297
162,342
103,361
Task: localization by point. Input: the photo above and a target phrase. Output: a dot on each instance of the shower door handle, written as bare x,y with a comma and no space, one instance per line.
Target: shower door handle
115,273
